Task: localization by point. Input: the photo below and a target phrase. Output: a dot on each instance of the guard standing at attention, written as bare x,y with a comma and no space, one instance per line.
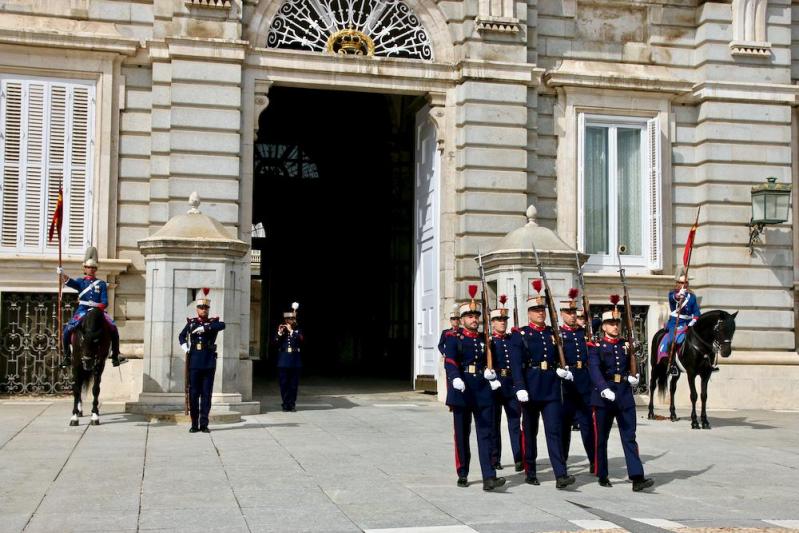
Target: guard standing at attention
198,340
537,385
504,398
577,393
469,395
289,340
454,327
612,398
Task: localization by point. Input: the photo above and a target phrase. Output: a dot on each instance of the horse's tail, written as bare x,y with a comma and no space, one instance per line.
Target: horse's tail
660,371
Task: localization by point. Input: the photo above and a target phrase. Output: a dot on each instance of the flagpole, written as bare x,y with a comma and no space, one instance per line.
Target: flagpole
687,265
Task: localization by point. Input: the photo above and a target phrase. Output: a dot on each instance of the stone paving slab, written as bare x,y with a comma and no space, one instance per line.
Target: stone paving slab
376,461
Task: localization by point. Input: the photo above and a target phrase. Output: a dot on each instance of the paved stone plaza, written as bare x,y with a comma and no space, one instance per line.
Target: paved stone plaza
379,459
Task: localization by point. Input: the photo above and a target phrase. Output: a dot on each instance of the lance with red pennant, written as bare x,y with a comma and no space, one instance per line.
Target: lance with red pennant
686,262
55,227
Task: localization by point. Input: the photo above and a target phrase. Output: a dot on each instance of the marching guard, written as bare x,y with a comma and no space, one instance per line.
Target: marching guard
92,292
469,395
198,340
537,385
504,398
289,340
612,398
577,393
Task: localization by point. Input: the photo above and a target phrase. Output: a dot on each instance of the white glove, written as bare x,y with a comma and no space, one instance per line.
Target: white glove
692,322
59,271
633,380
458,384
564,374
608,395
522,396
198,329
495,384
185,347
681,292
489,374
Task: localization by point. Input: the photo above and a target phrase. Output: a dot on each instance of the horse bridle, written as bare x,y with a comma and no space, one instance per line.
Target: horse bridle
715,346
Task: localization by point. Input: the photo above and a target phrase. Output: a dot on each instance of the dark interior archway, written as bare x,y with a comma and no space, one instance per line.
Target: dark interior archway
333,188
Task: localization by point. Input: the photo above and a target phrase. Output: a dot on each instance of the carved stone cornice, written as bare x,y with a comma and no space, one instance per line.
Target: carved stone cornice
618,76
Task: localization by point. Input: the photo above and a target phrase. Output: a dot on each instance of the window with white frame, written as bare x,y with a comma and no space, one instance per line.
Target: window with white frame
619,190
46,140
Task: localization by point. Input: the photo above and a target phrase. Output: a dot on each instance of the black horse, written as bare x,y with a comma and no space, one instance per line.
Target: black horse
704,342
90,343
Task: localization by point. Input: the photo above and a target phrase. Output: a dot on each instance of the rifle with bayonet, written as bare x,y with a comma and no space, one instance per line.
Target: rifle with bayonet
553,317
515,309
589,333
628,317
486,313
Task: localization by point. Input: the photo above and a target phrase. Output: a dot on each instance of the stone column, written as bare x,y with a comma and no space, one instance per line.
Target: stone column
191,252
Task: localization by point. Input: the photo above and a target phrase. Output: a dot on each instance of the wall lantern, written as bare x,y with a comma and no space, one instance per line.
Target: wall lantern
770,204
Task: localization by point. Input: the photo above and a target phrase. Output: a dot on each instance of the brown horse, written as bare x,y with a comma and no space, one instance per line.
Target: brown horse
91,341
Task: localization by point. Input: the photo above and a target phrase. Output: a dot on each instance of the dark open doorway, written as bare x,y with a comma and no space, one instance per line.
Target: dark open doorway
333,188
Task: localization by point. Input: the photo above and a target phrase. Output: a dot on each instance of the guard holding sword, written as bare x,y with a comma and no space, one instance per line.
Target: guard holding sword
198,340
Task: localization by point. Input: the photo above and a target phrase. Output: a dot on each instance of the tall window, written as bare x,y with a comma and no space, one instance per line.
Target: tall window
619,173
46,139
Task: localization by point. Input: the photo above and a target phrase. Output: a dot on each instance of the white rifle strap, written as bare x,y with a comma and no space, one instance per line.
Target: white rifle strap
87,289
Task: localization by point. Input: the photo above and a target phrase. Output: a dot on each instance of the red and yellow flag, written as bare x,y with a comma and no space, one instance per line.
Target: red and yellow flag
58,216
689,245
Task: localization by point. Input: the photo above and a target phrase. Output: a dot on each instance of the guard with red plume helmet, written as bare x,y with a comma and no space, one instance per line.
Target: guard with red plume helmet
198,341
576,393
504,397
469,394
609,364
537,300
453,329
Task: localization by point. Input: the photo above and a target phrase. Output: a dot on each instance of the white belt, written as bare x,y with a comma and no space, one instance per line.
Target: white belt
88,304
683,317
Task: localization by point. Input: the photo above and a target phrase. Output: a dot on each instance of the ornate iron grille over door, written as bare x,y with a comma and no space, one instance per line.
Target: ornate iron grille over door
29,345
639,325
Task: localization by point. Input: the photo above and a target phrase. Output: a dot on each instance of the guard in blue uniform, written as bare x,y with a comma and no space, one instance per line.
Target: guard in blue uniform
454,327
612,398
537,385
198,340
504,398
682,303
92,292
577,393
289,340
469,395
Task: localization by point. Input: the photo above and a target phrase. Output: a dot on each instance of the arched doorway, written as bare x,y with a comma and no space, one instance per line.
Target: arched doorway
333,187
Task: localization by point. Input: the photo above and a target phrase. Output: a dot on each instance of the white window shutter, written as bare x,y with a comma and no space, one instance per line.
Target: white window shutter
10,159
581,182
79,160
32,231
56,152
655,255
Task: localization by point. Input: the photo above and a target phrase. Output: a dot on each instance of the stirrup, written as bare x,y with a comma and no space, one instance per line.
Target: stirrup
674,371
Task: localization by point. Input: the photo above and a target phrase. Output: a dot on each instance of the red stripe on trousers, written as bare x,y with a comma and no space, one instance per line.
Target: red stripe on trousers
524,447
596,443
457,455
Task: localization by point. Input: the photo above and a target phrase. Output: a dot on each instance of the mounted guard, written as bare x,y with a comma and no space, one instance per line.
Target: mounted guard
92,292
683,308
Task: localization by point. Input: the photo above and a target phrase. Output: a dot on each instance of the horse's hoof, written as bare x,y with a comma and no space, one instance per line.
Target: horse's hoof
674,418
651,416
73,422
705,425
80,413
95,422
694,425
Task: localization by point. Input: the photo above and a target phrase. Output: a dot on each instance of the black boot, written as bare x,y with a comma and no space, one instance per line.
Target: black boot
205,429
497,466
194,429
116,360
564,481
463,482
493,483
519,466
67,361
531,480
640,483
605,482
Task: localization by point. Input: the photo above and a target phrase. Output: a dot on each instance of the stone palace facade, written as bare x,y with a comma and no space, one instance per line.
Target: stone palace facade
615,120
